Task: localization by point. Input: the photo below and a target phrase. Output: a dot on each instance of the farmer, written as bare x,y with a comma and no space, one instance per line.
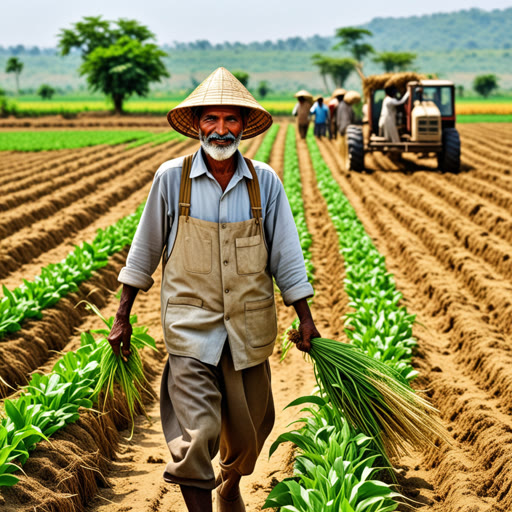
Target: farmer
301,110
321,113
226,230
387,119
337,96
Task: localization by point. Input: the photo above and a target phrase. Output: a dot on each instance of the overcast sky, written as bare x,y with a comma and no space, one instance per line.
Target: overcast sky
37,22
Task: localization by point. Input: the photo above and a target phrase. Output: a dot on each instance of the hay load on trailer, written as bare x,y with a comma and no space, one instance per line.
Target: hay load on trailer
424,123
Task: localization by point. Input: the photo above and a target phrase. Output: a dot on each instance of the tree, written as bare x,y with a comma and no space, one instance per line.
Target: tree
485,84
340,69
46,91
352,39
242,76
116,60
322,63
263,88
337,69
14,65
395,61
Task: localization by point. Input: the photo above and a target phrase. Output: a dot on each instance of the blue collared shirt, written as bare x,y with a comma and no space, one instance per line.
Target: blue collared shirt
159,222
321,113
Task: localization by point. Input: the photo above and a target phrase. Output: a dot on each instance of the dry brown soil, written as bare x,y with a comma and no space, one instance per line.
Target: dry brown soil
447,239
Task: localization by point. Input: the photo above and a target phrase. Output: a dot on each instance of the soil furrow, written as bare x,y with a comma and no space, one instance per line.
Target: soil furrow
32,241
42,170
457,345
452,225
57,194
471,205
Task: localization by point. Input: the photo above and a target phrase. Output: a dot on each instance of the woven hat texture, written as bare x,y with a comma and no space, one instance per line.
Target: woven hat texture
339,92
220,88
352,97
305,94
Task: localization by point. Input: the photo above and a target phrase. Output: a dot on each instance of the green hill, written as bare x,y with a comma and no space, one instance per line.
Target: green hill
455,45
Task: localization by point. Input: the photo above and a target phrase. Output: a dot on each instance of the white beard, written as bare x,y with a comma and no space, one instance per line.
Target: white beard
219,153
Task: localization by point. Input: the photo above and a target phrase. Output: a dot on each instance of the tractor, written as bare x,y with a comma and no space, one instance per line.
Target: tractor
425,123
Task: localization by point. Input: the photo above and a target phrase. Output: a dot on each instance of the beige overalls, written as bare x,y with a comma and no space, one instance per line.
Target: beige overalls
217,274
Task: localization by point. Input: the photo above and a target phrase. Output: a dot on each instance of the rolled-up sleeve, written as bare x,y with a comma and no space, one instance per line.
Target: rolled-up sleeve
286,260
149,240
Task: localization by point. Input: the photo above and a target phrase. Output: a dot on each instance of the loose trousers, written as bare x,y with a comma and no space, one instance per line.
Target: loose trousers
205,408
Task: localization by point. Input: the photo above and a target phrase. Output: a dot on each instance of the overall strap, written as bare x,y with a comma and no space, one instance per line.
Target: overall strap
253,187
185,186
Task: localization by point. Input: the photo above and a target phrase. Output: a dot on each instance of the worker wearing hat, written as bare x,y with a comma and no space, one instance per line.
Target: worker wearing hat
301,110
226,231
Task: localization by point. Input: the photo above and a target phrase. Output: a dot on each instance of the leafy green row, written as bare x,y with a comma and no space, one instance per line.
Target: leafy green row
50,402
377,324
58,279
293,188
51,140
335,468
263,153
336,464
156,138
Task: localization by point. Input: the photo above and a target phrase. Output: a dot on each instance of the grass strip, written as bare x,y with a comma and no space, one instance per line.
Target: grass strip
53,140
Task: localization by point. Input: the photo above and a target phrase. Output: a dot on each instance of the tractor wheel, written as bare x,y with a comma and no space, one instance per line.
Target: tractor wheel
449,158
355,148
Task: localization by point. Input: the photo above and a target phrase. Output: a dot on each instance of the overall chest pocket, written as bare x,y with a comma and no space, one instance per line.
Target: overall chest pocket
198,254
251,255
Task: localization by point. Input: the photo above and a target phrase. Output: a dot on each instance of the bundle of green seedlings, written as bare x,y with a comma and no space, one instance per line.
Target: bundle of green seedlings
373,398
59,279
118,371
77,381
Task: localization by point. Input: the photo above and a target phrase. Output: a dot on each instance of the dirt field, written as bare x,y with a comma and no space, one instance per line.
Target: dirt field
447,239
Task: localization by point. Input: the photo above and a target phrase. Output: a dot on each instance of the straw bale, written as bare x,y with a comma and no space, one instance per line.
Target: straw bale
399,80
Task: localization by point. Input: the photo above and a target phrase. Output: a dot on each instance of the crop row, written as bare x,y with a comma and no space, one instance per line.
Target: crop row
58,279
337,465
50,402
50,140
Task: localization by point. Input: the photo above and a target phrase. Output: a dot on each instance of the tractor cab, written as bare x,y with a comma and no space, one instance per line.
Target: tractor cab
425,122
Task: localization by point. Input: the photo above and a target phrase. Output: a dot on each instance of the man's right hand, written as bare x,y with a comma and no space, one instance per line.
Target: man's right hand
120,336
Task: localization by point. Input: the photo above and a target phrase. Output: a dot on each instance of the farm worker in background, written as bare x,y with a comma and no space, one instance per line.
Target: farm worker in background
331,127
337,96
301,110
321,113
226,230
387,119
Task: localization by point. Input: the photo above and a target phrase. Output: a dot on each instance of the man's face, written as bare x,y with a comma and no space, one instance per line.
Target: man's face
220,130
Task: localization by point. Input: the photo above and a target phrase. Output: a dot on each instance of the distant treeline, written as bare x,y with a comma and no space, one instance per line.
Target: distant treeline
462,30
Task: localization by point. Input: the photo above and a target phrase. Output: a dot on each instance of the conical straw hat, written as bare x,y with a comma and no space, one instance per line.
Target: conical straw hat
352,97
305,94
220,88
339,92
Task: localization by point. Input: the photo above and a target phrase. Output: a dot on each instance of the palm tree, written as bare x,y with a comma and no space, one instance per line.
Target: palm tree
14,65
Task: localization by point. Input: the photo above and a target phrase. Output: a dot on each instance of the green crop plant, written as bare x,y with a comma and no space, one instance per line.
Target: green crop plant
58,279
334,469
52,140
376,323
50,402
263,153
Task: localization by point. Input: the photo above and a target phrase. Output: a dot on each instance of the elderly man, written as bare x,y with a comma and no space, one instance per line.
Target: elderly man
226,230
